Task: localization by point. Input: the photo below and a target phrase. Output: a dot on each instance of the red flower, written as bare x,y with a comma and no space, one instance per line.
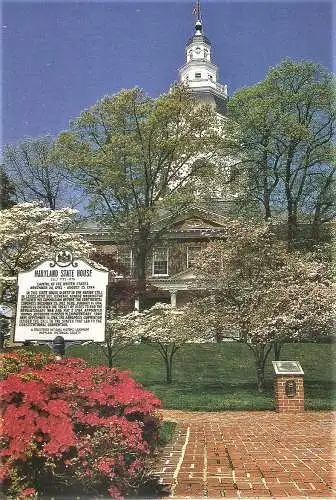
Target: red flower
105,465
63,412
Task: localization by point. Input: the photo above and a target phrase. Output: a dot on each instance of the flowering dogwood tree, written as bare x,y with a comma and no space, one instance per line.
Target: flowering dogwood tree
120,333
120,303
31,233
166,328
261,292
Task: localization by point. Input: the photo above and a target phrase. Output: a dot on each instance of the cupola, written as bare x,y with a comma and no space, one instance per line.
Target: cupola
199,73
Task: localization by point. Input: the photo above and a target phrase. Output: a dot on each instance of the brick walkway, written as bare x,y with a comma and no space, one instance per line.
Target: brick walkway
250,455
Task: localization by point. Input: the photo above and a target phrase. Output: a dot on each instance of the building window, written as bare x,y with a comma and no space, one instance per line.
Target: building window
160,262
125,258
198,75
192,253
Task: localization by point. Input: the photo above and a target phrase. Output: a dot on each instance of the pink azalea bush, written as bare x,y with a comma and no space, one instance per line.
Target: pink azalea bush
70,427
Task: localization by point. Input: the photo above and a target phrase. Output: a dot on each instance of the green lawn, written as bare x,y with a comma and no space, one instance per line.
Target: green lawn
212,377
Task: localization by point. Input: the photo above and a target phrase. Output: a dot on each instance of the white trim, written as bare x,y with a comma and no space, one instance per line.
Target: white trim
173,297
184,447
167,258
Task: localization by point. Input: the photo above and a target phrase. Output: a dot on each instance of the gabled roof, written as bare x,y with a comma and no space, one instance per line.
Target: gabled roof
198,213
203,217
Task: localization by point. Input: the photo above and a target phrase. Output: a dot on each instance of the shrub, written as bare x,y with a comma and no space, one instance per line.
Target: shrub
75,428
14,361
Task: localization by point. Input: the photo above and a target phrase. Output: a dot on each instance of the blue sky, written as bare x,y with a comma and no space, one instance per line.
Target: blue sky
61,57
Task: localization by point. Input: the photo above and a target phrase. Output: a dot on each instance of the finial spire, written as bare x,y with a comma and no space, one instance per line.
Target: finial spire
197,10
197,14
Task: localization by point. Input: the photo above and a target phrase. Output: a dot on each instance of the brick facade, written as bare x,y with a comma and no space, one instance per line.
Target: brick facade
288,403
177,254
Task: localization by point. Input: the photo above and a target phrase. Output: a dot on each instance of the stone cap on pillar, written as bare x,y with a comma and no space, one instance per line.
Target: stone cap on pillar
287,368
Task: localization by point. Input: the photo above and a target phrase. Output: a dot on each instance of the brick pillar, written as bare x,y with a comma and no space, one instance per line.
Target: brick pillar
284,388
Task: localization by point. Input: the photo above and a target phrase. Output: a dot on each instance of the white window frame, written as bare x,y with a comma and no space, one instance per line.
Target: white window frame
131,265
153,260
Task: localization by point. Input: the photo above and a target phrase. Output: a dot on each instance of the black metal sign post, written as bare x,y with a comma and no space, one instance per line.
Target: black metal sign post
58,346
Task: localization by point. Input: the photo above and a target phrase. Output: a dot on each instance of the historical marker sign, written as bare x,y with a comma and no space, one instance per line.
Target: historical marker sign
287,368
61,297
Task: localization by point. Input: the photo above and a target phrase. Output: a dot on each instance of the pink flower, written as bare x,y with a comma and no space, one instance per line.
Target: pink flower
67,409
115,493
105,465
28,492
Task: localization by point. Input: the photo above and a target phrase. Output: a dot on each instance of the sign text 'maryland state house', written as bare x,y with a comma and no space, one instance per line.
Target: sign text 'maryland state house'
55,301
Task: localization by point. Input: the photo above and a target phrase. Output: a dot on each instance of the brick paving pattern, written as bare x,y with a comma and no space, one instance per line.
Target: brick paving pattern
250,455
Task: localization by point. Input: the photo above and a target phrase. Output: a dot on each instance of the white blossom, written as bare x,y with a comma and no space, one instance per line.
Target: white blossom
260,289
31,233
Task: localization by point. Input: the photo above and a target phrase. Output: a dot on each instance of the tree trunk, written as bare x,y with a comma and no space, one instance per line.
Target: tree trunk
260,378
321,204
141,251
109,354
167,353
2,340
316,225
277,350
261,352
291,225
140,261
268,213
291,210
218,335
266,190
169,376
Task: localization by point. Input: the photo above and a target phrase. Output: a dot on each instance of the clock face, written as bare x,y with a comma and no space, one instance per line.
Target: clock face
198,50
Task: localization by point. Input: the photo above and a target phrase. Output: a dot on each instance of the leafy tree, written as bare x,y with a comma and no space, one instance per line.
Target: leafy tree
37,176
323,206
284,139
7,191
260,293
134,156
108,260
31,233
